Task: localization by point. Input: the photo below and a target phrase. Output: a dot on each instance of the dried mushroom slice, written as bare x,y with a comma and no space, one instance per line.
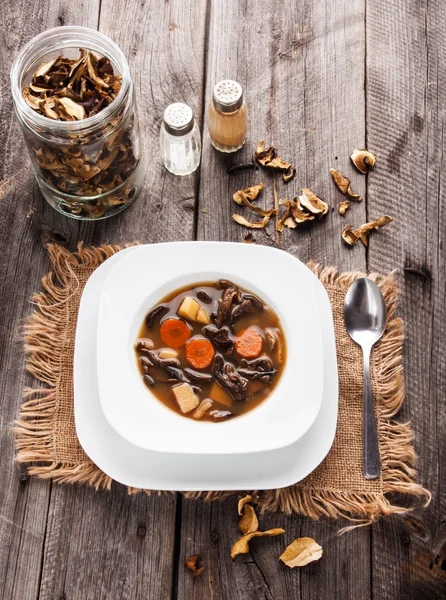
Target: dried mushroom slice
362,232
256,209
241,503
249,238
301,552
252,225
349,237
344,185
313,203
249,522
289,175
193,563
269,159
241,546
343,207
362,159
251,193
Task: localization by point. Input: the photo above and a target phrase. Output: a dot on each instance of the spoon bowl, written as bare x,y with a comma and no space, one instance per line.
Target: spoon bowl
365,315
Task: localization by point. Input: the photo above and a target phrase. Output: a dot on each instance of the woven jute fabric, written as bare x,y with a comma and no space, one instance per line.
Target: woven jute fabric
45,430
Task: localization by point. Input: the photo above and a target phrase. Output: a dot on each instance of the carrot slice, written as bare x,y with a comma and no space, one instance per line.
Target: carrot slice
174,332
249,343
199,352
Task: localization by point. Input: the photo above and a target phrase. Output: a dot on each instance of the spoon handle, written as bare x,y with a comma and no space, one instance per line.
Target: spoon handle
370,457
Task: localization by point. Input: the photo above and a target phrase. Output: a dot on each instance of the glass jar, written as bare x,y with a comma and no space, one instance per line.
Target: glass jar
91,168
180,141
228,117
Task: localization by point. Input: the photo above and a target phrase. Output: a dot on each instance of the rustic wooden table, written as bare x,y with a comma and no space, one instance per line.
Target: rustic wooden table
321,78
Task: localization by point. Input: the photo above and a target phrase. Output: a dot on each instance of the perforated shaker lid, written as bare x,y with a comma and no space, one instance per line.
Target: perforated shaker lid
178,118
227,96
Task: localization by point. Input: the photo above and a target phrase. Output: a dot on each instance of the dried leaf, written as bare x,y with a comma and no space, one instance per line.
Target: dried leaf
245,223
251,193
249,522
344,185
343,207
301,552
242,502
362,159
241,546
192,563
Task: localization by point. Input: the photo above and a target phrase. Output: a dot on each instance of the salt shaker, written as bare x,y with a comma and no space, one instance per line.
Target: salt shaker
180,140
228,116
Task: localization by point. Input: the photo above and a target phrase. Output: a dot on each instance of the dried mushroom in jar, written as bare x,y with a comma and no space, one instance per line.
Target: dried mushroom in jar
89,165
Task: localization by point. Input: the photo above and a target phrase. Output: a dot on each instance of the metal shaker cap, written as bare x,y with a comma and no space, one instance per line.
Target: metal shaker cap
227,96
178,119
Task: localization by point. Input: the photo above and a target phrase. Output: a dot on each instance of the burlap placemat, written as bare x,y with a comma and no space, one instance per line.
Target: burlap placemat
45,431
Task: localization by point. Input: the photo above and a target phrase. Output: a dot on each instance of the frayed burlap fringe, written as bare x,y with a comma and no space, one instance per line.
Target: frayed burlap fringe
34,429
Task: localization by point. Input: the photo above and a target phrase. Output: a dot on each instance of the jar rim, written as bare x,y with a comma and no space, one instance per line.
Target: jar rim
59,37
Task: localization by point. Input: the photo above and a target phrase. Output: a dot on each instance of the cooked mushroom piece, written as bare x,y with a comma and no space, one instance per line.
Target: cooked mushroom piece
152,314
219,337
204,297
262,363
219,415
226,376
198,375
148,380
231,295
250,304
362,159
144,344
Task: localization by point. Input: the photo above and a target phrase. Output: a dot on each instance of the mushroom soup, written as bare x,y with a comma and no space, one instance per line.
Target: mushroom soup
211,351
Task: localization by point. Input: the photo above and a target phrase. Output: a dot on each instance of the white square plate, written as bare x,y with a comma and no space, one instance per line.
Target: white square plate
141,279
135,467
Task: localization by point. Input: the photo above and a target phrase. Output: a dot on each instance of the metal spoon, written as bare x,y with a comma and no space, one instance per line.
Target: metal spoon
365,315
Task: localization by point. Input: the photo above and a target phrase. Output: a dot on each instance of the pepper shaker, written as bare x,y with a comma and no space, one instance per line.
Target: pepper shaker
228,116
180,140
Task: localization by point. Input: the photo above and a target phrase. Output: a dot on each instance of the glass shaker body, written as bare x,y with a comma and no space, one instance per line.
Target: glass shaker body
181,153
227,130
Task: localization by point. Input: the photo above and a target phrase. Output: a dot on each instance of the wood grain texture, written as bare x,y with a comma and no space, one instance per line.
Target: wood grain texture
406,119
24,222
290,62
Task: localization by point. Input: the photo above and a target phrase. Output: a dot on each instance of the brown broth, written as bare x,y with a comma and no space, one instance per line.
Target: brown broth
256,392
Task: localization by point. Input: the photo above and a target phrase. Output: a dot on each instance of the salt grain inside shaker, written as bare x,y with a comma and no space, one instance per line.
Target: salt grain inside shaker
180,140
228,116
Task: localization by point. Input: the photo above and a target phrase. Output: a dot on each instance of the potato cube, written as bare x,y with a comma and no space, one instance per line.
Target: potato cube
185,397
203,317
189,308
218,394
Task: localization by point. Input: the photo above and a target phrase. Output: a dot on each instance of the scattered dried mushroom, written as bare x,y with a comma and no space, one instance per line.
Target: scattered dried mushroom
298,554
344,185
302,209
67,89
268,158
193,564
362,159
301,552
352,236
250,193
343,207
251,224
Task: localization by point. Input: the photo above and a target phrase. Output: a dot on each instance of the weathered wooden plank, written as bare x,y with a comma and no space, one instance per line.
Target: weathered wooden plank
24,221
303,73
406,117
93,549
